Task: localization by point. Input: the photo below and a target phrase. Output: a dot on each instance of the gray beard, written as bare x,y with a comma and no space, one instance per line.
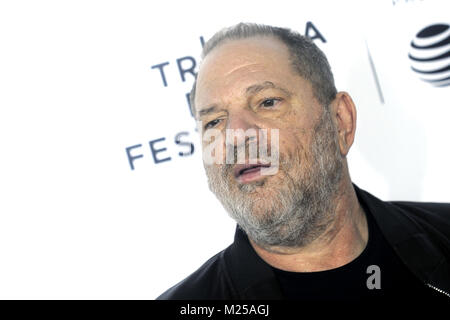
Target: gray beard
298,211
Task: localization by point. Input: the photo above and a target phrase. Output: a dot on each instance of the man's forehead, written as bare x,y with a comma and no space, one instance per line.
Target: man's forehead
242,58
243,51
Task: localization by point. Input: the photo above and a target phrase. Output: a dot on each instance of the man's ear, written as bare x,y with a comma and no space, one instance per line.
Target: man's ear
344,112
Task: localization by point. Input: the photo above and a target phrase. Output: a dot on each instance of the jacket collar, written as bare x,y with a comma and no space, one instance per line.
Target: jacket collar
251,276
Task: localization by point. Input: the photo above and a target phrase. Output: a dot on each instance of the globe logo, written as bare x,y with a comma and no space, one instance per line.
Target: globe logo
430,54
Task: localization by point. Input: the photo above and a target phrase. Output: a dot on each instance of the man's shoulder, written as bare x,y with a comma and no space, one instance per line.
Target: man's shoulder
440,207
430,216
432,212
210,281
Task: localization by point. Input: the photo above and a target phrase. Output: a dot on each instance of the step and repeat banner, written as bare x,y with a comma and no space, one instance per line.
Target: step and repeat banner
103,192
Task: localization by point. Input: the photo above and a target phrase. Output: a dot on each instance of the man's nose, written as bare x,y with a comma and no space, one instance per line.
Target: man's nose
241,121
241,129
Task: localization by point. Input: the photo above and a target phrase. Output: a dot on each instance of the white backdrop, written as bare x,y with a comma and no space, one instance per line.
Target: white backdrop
77,88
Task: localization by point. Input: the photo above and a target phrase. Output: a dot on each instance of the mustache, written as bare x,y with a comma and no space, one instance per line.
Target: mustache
251,143
227,169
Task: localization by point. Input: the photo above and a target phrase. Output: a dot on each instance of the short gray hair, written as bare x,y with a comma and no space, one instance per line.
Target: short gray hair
306,58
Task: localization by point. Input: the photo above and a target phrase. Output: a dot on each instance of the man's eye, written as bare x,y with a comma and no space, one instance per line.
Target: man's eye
212,124
269,103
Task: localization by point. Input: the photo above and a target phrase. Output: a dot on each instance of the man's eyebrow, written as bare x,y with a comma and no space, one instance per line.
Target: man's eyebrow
265,85
206,111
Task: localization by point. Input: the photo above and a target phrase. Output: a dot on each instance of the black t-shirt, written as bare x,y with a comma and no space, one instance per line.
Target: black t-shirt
377,273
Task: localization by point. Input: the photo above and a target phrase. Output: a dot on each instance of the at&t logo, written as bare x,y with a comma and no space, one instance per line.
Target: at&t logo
430,54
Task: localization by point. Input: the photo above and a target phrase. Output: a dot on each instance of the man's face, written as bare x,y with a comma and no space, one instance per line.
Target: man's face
250,84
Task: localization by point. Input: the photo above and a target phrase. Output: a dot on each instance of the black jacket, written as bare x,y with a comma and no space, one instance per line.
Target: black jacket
418,232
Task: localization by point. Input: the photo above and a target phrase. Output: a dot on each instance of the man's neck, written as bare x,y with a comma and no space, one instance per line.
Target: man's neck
343,240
